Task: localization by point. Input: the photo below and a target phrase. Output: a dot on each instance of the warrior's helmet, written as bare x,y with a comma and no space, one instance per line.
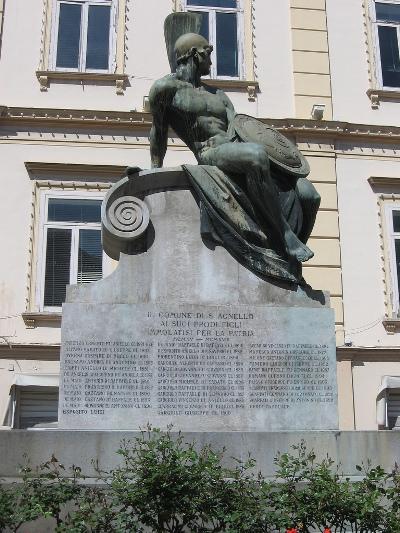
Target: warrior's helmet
185,44
181,35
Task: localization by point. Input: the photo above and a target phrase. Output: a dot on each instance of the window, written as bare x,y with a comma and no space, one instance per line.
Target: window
35,407
83,35
393,409
388,403
33,401
388,40
71,246
221,26
393,225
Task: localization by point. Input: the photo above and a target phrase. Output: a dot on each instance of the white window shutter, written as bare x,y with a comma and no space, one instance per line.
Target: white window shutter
393,410
36,405
58,261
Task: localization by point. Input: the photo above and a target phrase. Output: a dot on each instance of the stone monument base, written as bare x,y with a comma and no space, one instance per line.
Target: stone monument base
183,334
347,448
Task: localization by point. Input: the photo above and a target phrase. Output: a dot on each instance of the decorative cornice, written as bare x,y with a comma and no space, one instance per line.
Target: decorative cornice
42,168
45,76
81,117
358,354
334,130
46,352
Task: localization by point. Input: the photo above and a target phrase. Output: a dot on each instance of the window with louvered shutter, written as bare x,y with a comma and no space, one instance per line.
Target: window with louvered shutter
58,260
393,409
36,405
72,246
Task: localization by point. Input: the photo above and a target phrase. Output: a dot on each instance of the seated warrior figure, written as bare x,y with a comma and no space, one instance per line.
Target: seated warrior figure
262,215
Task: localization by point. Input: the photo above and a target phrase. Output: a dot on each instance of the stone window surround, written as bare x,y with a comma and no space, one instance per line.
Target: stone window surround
46,71
34,314
44,223
386,203
376,92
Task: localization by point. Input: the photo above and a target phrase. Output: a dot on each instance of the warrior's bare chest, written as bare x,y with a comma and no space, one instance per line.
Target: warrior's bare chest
199,102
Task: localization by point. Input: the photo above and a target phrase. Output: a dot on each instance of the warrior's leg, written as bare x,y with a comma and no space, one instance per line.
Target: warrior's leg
310,201
251,160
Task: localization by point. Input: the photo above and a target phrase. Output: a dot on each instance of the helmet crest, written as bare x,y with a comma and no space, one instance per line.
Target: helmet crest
175,26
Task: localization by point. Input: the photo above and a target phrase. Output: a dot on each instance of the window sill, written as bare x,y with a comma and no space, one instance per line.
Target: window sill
384,181
41,318
392,325
45,76
252,87
376,95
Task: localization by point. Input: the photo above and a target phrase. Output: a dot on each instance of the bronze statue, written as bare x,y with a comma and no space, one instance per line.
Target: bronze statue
251,181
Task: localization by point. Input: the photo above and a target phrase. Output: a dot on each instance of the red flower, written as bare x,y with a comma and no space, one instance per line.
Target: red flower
292,530
327,530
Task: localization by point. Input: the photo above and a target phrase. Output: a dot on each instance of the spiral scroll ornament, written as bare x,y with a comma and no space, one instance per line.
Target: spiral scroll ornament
128,217
124,219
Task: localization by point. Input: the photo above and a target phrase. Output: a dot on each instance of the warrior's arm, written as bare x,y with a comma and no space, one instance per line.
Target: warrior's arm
159,129
158,139
230,110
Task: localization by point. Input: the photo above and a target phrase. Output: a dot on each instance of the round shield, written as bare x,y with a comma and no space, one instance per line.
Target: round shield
282,152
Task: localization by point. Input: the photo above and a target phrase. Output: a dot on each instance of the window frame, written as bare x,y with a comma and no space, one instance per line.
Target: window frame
45,224
392,236
83,36
239,10
392,396
16,399
376,24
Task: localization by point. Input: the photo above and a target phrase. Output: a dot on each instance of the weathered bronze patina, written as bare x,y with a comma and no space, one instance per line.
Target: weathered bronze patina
251,181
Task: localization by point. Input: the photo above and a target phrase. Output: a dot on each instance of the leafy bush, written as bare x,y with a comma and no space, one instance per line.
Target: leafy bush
167,485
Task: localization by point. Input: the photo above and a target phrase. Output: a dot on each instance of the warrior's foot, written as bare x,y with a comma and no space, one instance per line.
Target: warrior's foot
302,254
296,249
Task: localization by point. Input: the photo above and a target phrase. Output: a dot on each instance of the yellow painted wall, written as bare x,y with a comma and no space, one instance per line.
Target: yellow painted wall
311,70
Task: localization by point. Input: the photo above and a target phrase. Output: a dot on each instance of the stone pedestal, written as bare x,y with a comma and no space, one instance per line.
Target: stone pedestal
183,334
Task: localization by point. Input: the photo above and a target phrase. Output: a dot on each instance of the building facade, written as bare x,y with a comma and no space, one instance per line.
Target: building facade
74,113
364,52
